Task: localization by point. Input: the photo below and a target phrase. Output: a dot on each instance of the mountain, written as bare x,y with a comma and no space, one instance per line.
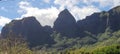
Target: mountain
29,28
98,22
93,23
65,24
48,29
114,18
0,35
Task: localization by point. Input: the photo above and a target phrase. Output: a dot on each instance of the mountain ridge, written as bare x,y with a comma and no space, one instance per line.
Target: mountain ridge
66,25
29,28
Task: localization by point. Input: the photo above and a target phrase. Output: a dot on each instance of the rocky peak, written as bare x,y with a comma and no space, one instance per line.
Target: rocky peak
29,28
65,24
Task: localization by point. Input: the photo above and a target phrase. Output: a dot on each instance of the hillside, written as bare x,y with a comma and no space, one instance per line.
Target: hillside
69,36
30,29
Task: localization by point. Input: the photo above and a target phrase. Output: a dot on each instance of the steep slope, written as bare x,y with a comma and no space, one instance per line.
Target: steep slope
29,28
114,18
98,22
48,29
65,24
94,24
0,35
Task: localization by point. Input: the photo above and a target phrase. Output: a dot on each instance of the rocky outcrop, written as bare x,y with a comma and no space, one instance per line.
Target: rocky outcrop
65,24
29,28
98,22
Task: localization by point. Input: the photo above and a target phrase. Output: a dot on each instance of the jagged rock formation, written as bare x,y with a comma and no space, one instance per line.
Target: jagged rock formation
98,22
94,24
65,24
31,29
114,18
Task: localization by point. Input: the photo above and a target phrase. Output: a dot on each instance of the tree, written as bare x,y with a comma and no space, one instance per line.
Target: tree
13,44
113,49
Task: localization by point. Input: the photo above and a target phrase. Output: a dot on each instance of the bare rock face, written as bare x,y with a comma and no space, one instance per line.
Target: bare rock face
65,24
114,18
98,22
29,28
93,24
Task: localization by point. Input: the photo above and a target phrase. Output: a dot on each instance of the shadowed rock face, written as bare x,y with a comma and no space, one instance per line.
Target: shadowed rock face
94,24
0,35
29,28
65,24
114,18
98,22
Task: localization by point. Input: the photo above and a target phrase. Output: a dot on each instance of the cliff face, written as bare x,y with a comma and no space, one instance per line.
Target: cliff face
114,18
94,24
98,22
65,24
29,28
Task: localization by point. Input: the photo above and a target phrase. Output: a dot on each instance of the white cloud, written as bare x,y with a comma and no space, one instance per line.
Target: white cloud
48,16
89,7
46,1
4,20
116,3
24,3
112,3
66,3
103,3
44,16
81,13
77,12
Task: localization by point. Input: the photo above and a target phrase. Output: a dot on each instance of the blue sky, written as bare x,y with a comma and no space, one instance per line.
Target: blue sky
46,11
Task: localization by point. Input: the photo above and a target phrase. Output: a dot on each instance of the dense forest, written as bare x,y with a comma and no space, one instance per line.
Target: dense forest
99,33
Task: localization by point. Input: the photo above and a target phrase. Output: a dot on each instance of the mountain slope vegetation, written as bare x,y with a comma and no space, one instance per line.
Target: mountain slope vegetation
98,33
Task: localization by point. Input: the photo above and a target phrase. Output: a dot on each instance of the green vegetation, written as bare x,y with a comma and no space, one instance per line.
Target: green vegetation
113,49
13,44
97,34
104,43
107,43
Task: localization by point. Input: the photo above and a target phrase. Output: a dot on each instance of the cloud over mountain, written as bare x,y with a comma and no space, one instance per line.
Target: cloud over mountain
46,11
44,16
4,20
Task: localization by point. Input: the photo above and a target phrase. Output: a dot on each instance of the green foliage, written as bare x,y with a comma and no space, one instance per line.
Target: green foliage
106,35
113,49
63,42
107,43
104,43
13,44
